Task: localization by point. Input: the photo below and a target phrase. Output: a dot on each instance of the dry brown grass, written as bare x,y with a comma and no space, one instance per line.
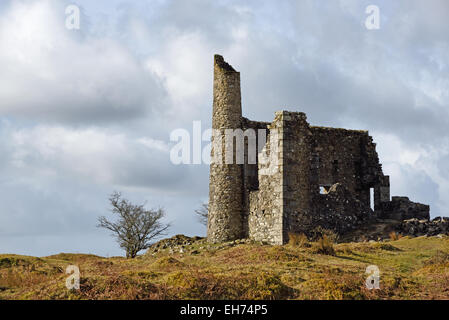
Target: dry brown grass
394,236
325,245
411,269
20,278
298,240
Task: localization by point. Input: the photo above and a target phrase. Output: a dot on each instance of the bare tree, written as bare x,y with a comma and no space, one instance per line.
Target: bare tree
202,213
135,227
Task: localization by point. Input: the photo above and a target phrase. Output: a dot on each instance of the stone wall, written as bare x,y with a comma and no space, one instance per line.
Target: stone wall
401,208
299,186
266,203
416,227
340,211
282,204
251,170
347,157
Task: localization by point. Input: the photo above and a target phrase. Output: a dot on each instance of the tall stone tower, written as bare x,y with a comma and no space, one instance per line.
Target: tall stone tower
225,221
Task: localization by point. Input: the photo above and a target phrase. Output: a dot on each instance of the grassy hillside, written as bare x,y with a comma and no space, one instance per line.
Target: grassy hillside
415,268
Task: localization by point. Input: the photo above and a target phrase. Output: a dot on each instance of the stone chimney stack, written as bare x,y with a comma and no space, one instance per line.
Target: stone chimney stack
226,180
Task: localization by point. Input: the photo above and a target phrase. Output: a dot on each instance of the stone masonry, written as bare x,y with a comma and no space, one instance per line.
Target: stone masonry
311,176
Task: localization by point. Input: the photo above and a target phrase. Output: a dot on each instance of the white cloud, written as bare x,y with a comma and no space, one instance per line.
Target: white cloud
95,155
184,63
50,73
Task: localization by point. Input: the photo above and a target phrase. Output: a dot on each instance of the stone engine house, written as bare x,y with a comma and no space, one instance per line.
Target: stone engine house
324,177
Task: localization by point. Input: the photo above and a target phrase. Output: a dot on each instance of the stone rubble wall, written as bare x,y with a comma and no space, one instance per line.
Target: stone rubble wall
265,222
299,186
401,208
340,211
251,173
416,227
347,157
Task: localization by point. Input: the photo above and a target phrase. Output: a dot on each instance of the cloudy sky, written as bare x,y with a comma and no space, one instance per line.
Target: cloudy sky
89,111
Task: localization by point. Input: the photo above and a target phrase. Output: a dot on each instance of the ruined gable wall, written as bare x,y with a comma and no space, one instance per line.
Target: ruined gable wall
347,157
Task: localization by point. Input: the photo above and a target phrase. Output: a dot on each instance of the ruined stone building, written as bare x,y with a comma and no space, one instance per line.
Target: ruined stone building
324,176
